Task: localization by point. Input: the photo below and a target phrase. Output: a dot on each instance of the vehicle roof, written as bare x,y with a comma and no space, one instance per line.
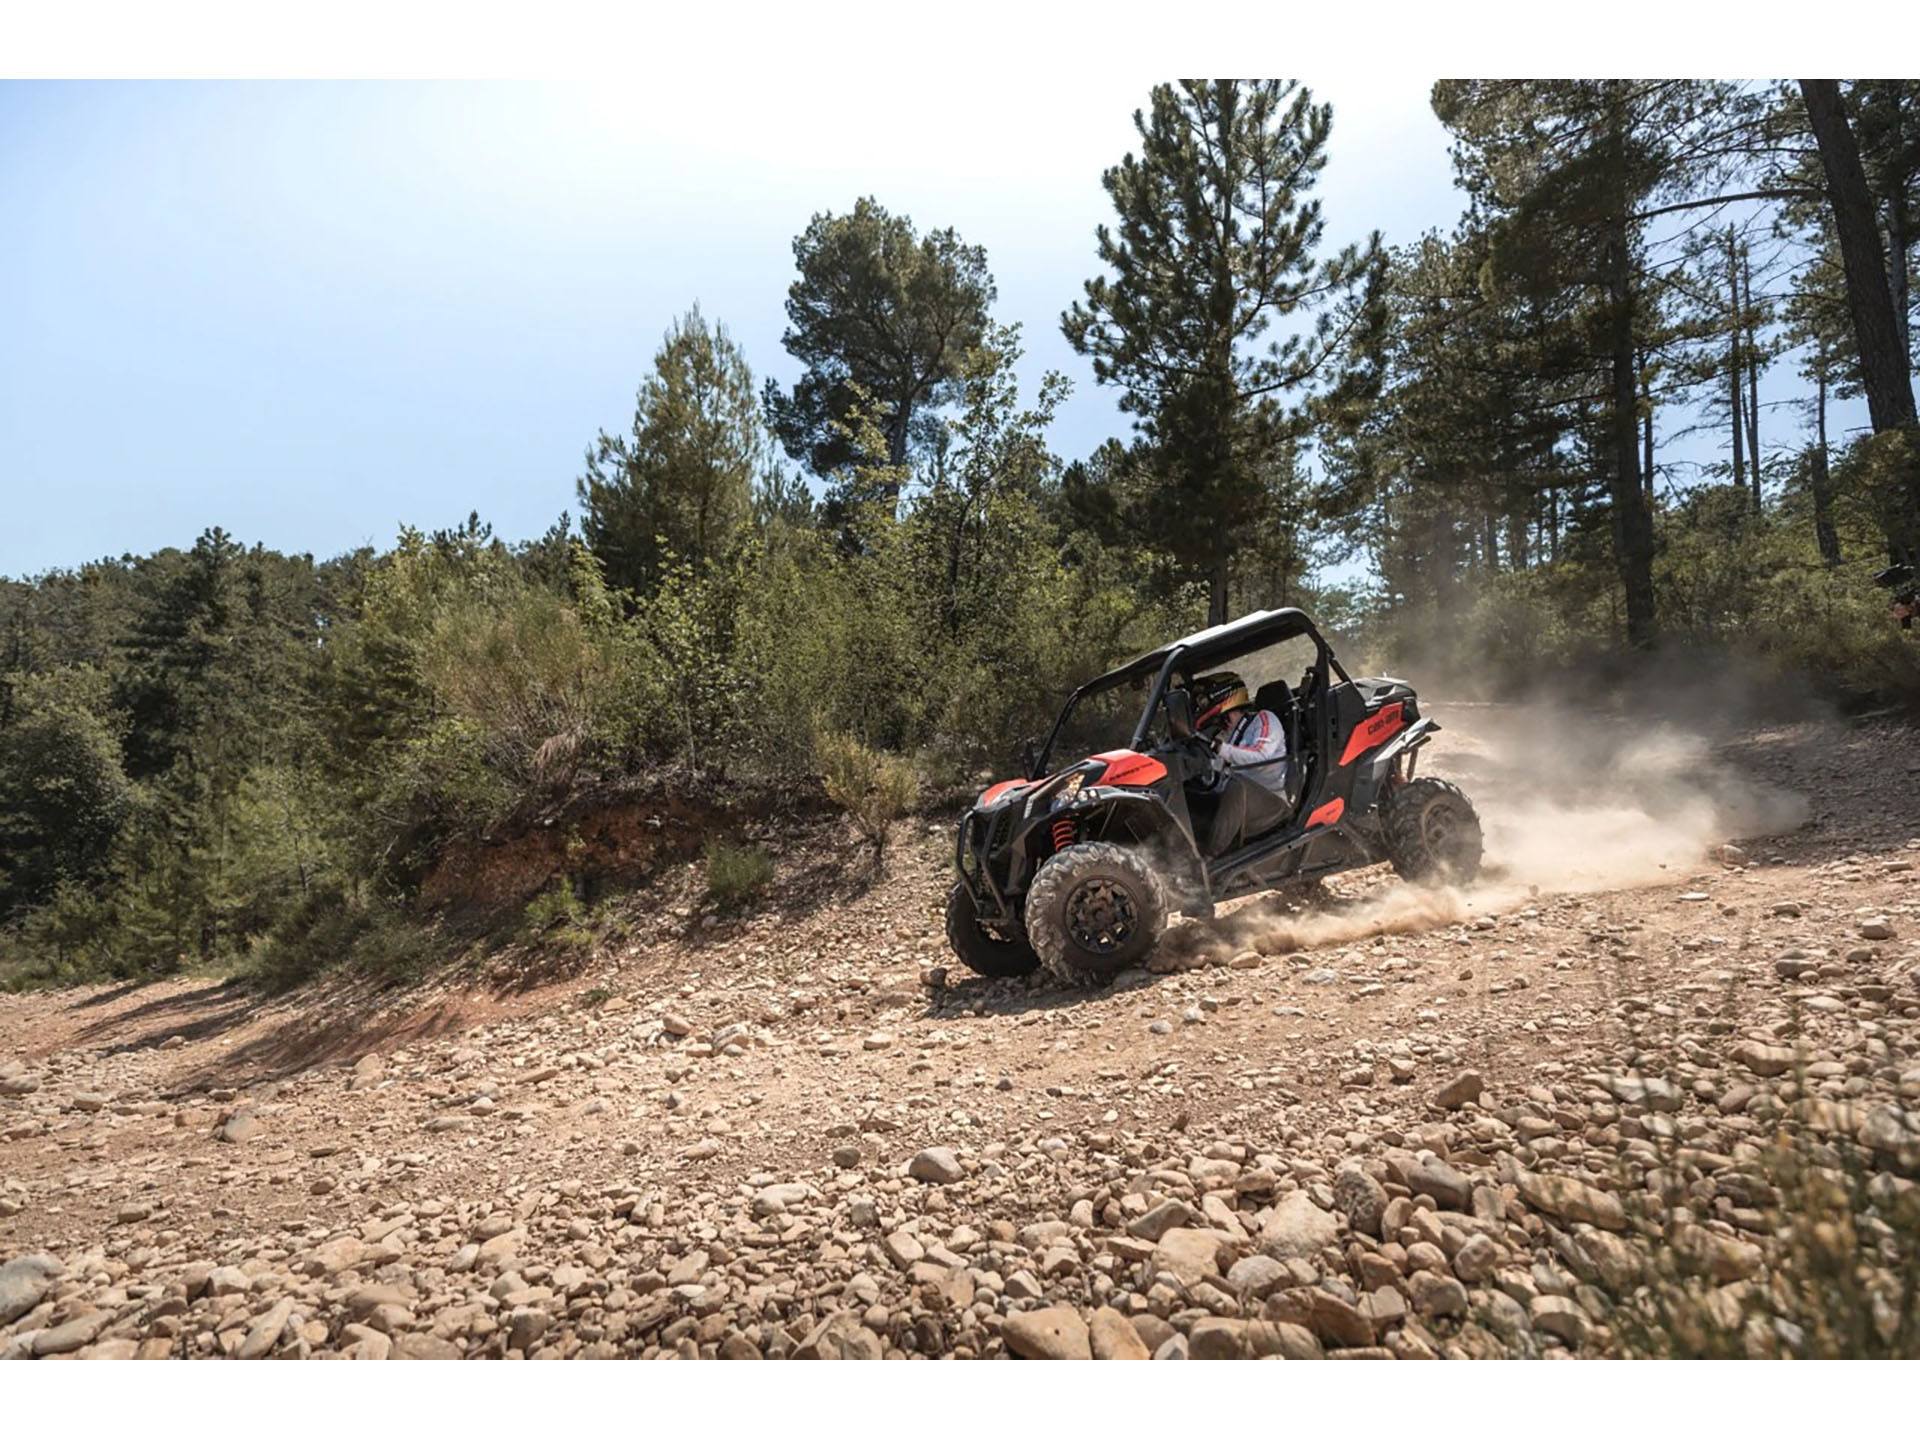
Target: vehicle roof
1218,643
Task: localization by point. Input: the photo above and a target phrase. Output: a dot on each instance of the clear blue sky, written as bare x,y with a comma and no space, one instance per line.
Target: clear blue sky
310,313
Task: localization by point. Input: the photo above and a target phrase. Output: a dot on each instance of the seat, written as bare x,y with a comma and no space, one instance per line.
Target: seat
1277,696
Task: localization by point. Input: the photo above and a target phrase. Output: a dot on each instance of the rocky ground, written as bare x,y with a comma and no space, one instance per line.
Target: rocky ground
1677,1118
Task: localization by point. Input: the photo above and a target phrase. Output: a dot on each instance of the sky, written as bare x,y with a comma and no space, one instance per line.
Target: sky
311,313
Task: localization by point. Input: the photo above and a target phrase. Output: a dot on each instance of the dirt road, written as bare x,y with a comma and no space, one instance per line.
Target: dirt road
1514,1121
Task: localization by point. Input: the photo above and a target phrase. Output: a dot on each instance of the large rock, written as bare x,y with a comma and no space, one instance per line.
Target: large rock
1056,1333
1719,1257
1167,1215
1763,1059
1359,1197
937,1165
240,1127
1647,1090
1114,1338
1297,1229
1190,1256
24,1282
1461,1090
1569,1199
368,1071
840,1336
265,1332
1433,1176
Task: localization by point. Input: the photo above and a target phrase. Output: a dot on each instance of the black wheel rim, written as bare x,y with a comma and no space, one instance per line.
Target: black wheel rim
1444,834
1101,916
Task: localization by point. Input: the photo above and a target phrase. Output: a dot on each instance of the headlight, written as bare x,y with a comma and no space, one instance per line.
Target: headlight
1067,793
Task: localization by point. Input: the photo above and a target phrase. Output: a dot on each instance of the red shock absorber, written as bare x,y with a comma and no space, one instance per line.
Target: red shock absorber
1063,832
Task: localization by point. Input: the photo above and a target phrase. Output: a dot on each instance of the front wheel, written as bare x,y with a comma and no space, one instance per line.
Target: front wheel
1432,833
1093,910
984,951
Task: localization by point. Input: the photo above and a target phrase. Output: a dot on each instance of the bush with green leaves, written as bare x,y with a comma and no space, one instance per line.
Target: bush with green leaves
873,787
736,873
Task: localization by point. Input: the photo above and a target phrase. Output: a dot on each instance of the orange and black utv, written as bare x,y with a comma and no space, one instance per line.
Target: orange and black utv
1077,868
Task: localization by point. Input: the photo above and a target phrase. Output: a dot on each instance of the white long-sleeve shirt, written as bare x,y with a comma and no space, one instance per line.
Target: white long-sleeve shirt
1256,746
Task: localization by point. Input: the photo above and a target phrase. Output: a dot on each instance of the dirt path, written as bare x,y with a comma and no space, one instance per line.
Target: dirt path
1396,1125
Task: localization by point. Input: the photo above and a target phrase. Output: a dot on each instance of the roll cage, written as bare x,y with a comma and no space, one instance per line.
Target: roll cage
1202,650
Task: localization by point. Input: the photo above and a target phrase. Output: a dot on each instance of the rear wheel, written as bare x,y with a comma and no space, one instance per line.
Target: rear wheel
983,949
1432,833
1093,910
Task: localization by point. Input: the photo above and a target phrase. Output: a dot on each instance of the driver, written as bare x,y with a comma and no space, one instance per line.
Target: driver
1250,760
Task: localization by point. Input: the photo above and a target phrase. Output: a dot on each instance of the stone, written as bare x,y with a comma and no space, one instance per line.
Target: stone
1337,1321
525,1327
1892,1131
840,1336
1298,1229
1216,1338
1436,1296
1257,1276
368,1071
1560,1317
1763,1060
1113,1336
67,1338
1655,1094
228,1280
1463,1089
1568,1199
1719,1257
1189,1256
24,1282
240,1127
1359,1197
1434,1177
422,1346
1167,1215
265,1332
1876,929
936,1165
903,1247
1055,1333
1477,1259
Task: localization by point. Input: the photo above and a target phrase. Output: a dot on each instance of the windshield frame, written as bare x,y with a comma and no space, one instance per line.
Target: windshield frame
1209,648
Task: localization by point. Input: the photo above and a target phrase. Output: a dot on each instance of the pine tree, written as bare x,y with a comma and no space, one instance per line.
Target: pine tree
881,317
1230,339
680,484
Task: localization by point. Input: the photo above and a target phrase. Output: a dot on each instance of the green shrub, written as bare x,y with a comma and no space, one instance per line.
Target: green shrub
873,787
556,905
736,873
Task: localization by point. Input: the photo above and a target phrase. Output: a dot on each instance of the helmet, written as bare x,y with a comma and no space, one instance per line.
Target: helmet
1214,695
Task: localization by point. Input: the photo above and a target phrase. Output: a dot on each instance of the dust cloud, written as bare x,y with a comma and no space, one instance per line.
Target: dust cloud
1572,800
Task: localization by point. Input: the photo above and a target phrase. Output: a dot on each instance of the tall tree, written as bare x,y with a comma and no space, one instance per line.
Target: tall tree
1879,335
1569,174
681,482
878,315
1214,255
1885,366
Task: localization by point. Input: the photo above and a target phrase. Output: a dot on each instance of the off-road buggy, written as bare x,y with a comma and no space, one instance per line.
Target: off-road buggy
1078,868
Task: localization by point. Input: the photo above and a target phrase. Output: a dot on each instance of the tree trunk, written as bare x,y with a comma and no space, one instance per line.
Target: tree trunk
1217,592
1753,381
1733,363
1897,283
1632,516
1818,480
1884,362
